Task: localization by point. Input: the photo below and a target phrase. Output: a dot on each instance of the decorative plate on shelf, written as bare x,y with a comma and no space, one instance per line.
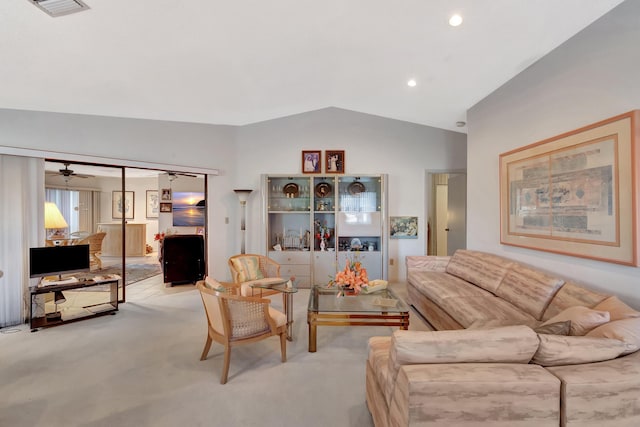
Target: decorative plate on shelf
291,190
355,244
323,189
356,188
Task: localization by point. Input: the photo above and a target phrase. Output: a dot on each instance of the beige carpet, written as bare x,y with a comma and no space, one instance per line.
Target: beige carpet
141,368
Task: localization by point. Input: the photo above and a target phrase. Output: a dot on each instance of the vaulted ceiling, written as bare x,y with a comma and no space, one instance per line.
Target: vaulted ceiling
244,61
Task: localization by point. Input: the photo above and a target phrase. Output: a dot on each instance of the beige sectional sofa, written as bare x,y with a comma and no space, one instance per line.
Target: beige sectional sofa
513,346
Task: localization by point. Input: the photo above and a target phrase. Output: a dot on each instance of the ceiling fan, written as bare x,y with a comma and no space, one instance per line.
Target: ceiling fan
68,173
174,175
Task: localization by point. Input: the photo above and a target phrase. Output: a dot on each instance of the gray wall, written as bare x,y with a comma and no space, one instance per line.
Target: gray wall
591,77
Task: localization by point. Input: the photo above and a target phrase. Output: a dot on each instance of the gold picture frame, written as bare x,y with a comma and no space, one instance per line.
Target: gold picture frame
577,193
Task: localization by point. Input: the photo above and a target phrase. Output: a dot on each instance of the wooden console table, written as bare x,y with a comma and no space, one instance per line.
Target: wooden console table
94,310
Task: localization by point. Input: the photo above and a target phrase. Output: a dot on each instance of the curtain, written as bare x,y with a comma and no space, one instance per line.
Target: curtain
21,227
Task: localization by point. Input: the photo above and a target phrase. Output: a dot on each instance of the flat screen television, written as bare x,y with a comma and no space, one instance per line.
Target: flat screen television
59,260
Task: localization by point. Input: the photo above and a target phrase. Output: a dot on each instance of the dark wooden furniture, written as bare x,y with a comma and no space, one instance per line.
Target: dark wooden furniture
110,306
183,258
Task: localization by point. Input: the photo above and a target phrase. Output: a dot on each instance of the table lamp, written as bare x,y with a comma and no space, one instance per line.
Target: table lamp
53,220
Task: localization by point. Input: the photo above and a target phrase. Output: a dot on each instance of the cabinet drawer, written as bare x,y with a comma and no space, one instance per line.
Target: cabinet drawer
303,281
287,270
290,257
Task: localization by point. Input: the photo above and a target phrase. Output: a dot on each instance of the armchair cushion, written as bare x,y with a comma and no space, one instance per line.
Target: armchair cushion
248,268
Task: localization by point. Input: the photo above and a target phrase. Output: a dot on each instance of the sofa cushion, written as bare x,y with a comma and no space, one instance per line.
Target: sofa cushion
571,295
437,286
529,289
379,361
510,344
625,330
583,319
482,269
427,263
467,310
600,394
557,350
476,394
617,309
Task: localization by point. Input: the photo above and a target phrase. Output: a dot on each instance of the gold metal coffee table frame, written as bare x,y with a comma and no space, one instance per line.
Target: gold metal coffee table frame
326,309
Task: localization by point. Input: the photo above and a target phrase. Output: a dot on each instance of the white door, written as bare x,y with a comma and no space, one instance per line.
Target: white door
457,213
442,209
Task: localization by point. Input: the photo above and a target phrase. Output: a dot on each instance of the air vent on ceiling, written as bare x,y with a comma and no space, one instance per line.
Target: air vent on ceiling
60,7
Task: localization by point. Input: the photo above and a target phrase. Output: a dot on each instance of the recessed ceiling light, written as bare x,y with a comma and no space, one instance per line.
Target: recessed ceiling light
412,83
455,20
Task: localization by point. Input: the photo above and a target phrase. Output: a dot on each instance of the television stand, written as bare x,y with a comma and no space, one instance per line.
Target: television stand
110,306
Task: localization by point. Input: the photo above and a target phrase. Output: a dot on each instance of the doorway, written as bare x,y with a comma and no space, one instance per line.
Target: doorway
125,204
447,212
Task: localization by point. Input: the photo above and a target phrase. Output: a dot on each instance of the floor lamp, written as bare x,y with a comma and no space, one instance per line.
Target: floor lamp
243,195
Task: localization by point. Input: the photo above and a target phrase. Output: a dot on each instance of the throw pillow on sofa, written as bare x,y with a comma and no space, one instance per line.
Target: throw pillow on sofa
583,319
625,330
558,328
555,350
617,309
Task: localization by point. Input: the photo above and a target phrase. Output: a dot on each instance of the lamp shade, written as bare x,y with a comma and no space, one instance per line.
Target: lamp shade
243,195
52,216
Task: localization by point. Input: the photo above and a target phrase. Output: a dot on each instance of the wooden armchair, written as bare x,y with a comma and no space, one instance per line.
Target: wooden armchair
95,247
234,320
246,269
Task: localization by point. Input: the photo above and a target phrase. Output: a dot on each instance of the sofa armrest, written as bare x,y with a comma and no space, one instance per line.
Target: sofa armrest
509,344
427,262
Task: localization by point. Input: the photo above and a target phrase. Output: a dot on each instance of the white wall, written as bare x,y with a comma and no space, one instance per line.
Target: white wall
186,144
372,144
591,77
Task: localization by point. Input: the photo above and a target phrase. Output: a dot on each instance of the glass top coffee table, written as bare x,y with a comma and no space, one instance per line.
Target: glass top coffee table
380,308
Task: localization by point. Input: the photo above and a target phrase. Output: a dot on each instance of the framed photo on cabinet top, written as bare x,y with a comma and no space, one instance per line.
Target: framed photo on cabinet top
312,161
577,193
334,161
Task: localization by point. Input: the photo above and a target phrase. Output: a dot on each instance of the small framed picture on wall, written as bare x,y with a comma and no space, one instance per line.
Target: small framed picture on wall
311,161
166,195
122,205
334,161
166,207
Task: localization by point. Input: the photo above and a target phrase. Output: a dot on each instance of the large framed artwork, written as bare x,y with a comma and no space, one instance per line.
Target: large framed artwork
576,193
122,205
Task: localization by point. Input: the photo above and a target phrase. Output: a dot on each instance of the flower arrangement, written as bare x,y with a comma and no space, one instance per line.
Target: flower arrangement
353,278
159,237
322,234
